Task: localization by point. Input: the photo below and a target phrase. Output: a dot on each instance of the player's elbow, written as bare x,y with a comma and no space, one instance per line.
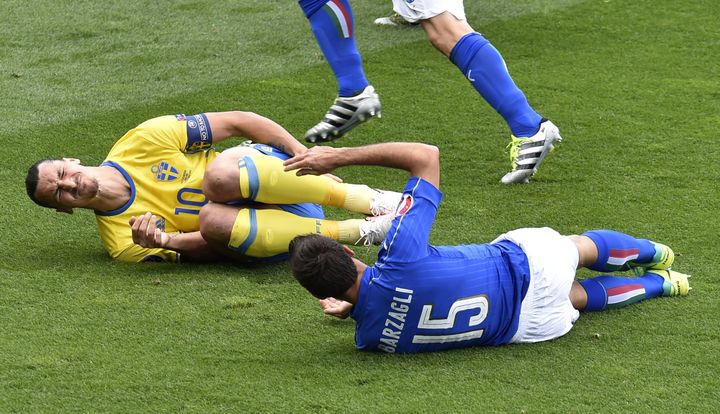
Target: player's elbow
426,164
429,156
432,152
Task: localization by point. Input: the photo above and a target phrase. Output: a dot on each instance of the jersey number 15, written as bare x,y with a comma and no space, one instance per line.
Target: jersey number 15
479,303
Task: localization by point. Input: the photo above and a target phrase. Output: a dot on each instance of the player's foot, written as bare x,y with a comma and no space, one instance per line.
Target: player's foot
344,115
662,260
676,283
384,202
394,20
526,154
374,230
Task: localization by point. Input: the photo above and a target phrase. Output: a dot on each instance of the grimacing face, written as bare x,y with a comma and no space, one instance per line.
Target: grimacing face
65,184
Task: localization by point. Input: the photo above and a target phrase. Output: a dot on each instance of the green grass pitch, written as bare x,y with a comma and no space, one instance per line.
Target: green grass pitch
633,86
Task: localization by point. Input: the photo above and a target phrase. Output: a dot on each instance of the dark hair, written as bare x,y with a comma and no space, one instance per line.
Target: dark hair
31,182
321,266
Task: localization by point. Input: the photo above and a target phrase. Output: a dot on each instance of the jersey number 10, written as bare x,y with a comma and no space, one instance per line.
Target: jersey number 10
185,198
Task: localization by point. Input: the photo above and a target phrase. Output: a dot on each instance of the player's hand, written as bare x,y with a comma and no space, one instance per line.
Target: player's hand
317,161
146,234
337,308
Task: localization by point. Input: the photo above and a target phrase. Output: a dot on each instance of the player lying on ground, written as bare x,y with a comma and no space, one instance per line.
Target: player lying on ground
447,29
151,194
419,297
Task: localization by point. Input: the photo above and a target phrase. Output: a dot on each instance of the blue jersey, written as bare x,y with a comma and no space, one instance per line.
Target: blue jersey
419,297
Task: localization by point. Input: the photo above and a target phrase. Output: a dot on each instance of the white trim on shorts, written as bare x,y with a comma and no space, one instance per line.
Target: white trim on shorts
414,10
546,312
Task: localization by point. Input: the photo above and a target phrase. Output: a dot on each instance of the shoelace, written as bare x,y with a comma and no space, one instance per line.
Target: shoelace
381,204
367,236
514,148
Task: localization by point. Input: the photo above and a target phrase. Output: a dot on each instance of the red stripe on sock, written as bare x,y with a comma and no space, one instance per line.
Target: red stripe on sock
346,15
619,290
622,253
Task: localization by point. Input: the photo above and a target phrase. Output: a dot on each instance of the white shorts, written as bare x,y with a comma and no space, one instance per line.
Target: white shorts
546,312
414,10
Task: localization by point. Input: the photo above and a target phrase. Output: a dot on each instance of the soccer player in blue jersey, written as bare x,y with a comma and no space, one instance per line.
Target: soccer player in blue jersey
533,137
151,195
419,297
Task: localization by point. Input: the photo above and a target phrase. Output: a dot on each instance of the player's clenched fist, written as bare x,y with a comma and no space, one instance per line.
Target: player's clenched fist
146,234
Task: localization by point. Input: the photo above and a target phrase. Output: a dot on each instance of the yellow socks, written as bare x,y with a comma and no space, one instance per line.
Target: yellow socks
262,179
267,232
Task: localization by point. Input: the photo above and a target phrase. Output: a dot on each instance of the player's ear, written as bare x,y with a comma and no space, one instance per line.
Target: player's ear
348,250
64,210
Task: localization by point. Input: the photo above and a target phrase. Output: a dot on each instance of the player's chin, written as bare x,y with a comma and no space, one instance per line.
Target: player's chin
88,192
88,188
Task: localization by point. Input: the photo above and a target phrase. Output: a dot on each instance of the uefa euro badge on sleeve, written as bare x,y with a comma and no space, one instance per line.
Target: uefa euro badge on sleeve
199,135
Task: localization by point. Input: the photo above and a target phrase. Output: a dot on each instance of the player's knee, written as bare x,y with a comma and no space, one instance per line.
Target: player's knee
213,224
587,250
435,39
219,184
445,30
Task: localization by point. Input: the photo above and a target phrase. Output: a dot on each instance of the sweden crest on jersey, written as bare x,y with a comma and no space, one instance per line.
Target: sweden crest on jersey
163,171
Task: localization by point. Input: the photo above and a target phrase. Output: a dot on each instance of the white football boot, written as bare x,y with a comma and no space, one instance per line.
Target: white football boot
344,115
384,202
526,154
374,230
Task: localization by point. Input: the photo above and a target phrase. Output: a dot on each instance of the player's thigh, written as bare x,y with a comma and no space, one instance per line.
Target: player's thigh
546,311
222,176
427,9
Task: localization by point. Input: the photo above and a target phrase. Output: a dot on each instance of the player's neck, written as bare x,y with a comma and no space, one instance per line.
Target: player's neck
351,295
113,189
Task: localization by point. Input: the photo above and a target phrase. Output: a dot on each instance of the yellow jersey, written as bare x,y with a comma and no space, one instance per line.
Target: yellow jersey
164,161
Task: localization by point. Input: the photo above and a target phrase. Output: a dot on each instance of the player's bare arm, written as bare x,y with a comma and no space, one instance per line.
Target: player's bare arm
255,127
190,245
421,160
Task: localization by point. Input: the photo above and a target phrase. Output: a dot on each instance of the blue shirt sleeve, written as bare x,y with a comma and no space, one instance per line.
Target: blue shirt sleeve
199,134
407,240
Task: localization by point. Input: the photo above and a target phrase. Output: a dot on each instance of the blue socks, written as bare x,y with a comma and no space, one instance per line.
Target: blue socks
610,292
616,251
482,64
333,25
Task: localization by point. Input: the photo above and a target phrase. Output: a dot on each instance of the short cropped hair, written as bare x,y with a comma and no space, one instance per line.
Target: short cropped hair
321,266
31,182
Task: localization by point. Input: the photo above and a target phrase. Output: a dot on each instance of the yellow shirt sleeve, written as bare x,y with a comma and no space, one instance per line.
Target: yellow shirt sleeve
116,236
187,133
135,253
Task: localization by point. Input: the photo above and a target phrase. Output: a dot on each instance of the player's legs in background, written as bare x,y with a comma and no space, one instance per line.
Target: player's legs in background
241,232
333,26
242,173
332,23
532,136
609,251
485,68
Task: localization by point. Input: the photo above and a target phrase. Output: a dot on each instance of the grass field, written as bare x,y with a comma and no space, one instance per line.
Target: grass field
634,87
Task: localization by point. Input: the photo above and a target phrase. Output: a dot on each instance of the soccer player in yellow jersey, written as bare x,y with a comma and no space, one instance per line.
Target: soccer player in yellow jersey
164,193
